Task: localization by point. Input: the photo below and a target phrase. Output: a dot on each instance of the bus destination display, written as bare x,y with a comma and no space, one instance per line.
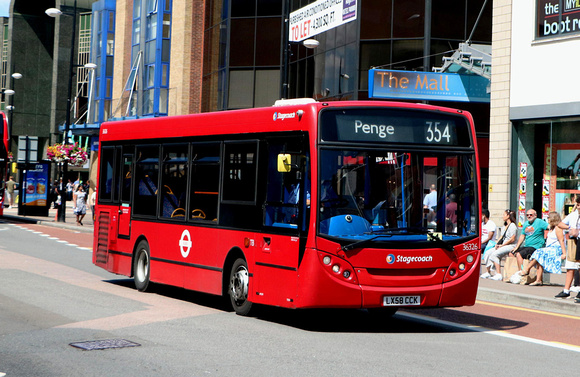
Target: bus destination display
393,126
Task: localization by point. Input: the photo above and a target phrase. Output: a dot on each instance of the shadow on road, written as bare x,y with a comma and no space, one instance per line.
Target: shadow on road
340,320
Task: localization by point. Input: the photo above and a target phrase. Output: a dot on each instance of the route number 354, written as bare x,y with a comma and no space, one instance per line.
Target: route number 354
436,132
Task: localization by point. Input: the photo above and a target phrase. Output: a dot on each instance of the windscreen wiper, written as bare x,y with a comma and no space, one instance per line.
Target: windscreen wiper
361,243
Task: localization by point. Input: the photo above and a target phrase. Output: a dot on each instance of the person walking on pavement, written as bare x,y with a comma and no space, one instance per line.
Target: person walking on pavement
93,202
10,186
79,204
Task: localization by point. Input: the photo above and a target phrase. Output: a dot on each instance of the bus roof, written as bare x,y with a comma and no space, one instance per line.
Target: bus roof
300,116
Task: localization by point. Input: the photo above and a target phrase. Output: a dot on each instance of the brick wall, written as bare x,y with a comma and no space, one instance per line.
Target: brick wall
500,127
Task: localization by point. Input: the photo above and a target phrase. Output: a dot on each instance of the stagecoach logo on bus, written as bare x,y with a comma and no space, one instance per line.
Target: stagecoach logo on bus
282,116
185,243
404,259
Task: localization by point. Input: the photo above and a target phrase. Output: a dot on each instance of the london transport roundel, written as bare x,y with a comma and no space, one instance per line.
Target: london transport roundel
185,243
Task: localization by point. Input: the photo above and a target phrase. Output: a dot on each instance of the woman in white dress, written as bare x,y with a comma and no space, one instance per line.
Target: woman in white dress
79,204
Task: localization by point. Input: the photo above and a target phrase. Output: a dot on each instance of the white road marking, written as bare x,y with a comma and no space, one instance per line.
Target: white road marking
504,334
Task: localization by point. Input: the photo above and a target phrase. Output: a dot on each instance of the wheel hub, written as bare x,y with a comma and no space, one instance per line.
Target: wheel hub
239,284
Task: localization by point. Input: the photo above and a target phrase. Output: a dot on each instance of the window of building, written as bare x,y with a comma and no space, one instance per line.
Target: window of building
152,40
102,50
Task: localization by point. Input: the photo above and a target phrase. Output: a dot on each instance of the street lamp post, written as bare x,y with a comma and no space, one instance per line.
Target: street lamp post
10,107
53,12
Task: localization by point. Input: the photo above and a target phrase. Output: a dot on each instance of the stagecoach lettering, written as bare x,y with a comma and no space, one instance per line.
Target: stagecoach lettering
380,130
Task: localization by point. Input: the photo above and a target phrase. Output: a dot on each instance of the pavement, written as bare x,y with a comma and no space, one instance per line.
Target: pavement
50,220
498,292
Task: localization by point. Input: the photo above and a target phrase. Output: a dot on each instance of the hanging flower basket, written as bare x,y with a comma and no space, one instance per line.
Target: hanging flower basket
73,153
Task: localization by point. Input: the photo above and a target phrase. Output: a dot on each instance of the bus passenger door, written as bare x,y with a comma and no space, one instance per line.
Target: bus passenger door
284,210
126,169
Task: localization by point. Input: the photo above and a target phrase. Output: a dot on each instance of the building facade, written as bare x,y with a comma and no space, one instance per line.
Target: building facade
171,57
535,107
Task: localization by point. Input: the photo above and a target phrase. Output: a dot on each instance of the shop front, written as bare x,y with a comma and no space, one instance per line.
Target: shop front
547,154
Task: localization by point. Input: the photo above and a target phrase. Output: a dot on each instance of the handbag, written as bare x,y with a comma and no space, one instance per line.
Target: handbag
571,246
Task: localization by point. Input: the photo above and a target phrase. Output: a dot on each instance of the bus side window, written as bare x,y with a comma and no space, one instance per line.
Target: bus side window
174,181
205,181
147,179
107,171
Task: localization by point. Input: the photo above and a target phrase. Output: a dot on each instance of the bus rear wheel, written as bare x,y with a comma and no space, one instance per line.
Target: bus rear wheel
239,287
141,266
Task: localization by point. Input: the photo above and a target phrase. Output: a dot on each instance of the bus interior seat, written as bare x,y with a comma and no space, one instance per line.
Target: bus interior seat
147,186
170,202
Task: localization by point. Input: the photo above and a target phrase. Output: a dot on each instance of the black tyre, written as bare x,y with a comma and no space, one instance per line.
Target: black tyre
239,287
141,266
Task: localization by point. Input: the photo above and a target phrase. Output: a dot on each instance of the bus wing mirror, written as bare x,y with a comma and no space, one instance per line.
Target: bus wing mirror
284,163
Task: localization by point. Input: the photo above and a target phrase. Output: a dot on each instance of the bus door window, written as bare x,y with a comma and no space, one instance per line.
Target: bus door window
459,196
126,174
453,177
146,180
123,187
205,181
174,181
285,185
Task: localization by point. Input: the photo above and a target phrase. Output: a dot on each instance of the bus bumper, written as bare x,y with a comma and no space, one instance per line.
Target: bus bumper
320,286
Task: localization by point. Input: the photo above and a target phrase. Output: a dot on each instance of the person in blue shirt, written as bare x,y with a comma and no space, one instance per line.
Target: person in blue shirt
531,239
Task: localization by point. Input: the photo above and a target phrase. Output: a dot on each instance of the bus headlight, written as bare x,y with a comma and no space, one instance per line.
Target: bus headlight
461,266
336,268
346,274
470,258
326,260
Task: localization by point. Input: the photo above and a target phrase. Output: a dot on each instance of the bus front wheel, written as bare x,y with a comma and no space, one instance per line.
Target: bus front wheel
239,287
142,267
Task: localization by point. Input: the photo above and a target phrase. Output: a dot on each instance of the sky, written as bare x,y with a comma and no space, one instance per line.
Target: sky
4,6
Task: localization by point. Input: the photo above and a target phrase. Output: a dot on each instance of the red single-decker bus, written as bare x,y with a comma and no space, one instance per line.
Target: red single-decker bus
307,205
